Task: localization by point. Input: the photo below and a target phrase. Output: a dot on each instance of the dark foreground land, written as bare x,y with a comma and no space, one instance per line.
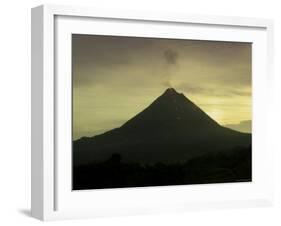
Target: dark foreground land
229,166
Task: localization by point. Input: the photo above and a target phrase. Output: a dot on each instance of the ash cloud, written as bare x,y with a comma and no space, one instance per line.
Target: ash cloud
171,57
171,60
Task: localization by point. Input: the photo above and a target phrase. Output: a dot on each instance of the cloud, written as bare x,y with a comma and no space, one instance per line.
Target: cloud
244,126
223,91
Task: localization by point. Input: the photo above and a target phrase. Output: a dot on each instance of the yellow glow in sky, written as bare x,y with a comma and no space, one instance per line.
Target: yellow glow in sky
114,78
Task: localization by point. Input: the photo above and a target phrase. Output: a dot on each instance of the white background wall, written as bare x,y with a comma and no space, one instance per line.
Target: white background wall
15,112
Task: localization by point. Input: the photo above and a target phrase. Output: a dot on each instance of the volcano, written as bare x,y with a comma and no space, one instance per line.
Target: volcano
171,129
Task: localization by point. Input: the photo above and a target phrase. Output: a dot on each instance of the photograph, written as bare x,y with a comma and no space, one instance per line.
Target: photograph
150,111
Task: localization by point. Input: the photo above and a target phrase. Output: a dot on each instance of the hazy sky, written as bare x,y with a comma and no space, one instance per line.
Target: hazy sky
114,78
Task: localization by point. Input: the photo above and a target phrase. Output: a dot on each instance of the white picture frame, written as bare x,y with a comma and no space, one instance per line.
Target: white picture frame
52,197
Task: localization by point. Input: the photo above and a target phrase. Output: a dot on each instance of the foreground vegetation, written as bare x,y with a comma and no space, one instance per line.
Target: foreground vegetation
229,166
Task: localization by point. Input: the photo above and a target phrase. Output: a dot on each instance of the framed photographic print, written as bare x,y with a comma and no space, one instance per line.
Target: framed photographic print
137,112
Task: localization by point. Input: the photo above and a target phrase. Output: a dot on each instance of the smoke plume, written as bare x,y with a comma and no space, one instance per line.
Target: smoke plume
171,58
